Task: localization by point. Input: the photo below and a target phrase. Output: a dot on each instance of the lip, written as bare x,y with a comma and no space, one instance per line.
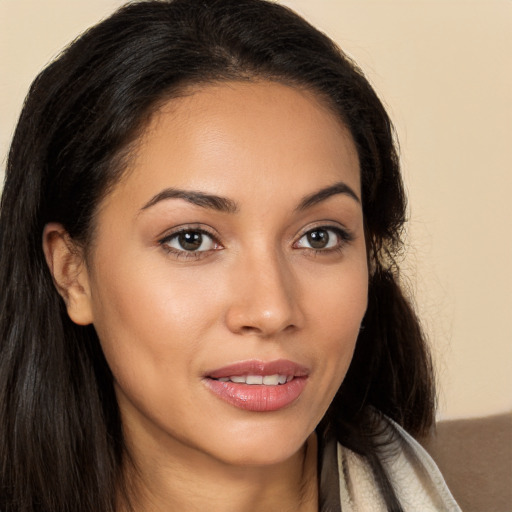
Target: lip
255,367
258,397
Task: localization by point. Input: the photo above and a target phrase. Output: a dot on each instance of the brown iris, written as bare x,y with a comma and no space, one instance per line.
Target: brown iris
190,240
318,239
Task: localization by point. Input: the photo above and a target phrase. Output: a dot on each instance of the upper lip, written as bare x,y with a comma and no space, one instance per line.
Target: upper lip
263,368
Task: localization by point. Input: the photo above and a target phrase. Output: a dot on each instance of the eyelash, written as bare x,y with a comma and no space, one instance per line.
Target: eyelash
182,253
343,237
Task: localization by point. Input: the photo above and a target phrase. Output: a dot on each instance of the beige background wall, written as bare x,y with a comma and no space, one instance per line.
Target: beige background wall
444,69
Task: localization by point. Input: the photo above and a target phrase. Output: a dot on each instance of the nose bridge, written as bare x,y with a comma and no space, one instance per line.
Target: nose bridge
265,297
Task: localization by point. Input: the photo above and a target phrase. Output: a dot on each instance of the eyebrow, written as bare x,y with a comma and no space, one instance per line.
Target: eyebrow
226,205
211,201
326,193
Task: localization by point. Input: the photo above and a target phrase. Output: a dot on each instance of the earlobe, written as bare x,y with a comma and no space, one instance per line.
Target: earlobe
67,266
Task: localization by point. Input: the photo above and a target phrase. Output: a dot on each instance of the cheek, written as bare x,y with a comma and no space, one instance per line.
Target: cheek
337,311
151,325
338,298
148,321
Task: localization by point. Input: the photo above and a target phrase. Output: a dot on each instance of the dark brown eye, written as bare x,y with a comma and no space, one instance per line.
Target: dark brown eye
191,241
323,238
318,239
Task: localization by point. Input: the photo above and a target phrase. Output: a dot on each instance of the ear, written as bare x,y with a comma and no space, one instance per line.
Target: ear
67,266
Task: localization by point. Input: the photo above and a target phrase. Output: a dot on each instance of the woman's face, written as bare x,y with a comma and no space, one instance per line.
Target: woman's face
227,279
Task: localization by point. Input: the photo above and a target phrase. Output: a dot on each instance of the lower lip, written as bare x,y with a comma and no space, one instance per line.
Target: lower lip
256,397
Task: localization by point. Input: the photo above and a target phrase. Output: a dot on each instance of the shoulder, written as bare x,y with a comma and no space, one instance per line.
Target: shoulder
415,477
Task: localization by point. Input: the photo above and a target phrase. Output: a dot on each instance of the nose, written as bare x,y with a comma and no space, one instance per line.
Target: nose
264,297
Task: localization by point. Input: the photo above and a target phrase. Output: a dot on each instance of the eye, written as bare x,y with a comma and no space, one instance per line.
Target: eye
323,238
190,240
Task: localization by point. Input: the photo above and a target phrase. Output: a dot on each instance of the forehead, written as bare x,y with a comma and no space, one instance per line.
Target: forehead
238,138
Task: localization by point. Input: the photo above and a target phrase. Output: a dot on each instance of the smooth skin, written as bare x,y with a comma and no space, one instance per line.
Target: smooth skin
178,284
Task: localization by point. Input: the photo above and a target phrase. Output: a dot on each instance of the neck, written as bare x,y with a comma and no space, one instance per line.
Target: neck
163,483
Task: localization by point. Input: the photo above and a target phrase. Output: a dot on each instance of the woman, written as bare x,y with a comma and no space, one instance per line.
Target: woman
200,305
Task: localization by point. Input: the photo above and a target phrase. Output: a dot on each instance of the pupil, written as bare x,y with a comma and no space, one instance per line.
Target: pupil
318,239
190,241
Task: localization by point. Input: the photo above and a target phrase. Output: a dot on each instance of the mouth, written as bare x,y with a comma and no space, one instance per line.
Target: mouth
258,386
252,380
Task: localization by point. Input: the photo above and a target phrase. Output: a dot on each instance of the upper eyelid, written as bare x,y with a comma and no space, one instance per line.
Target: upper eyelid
337,229
323,224
345,234
170,233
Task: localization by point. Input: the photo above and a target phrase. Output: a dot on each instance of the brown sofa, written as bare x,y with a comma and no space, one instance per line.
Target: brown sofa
475,457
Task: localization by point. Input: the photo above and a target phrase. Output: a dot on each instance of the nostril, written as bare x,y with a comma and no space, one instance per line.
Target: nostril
247,329
290,328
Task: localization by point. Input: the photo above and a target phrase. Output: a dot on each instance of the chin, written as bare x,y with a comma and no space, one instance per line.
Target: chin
264,447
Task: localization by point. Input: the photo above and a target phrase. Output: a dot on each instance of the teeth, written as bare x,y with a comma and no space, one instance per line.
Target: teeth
271,380
267,380
254,379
